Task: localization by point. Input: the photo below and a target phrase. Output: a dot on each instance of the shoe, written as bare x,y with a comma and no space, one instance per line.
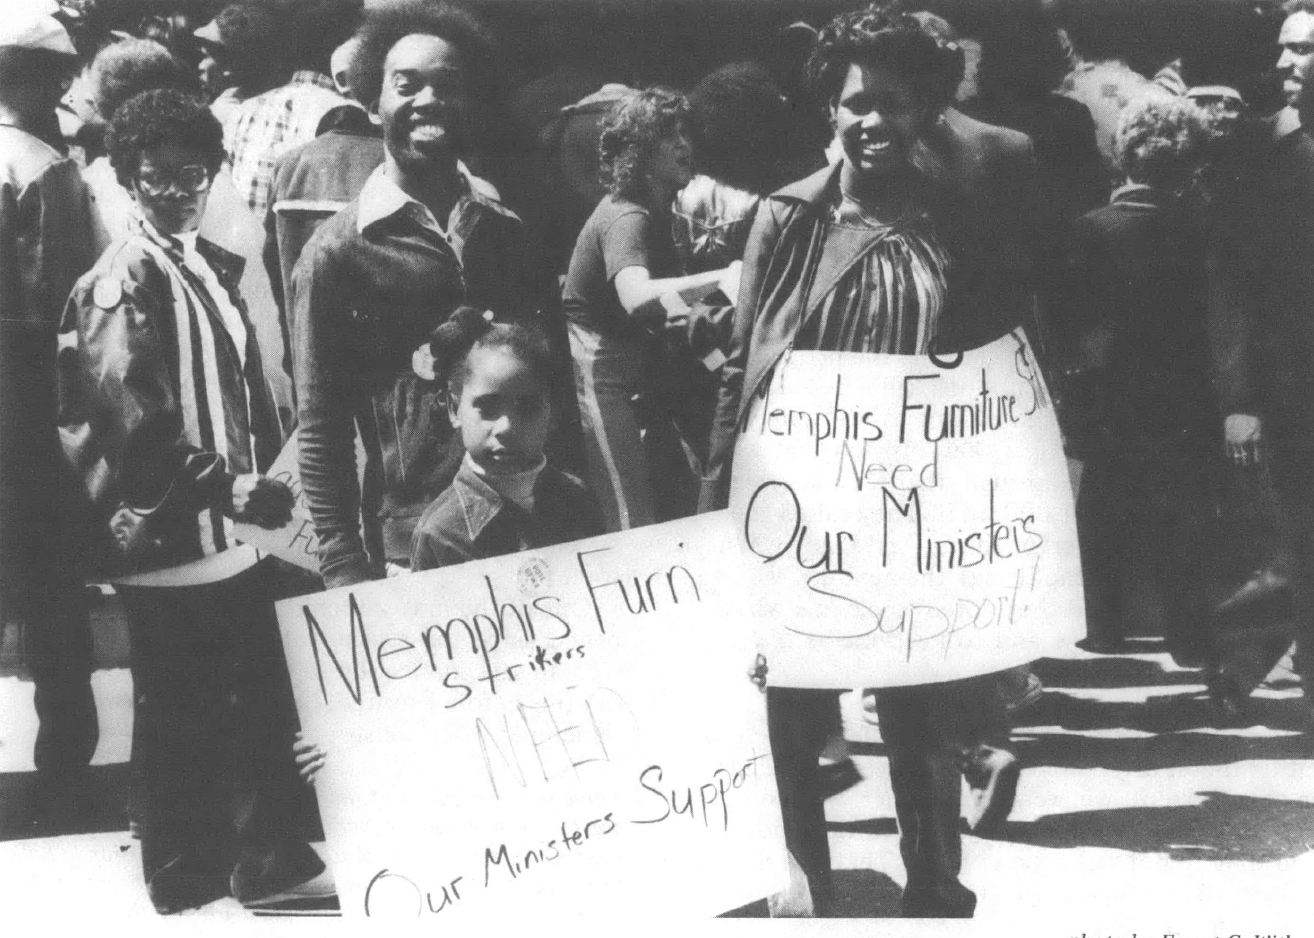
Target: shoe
188,881
292,871
1031,691
992,776
1228,702
955,901
1103,645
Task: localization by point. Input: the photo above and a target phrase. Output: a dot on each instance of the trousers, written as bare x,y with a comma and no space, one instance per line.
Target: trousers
214,720
929,731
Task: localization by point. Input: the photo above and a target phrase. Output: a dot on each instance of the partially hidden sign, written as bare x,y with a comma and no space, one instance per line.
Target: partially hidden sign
296,541
561,734
905,519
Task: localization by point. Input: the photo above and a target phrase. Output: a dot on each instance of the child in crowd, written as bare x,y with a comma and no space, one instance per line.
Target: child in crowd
505,497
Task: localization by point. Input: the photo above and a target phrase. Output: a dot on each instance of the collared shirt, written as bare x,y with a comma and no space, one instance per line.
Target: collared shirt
263,128
381,199
471,521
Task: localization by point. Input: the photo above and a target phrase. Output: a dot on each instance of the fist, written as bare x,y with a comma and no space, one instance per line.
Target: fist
130,534
261,500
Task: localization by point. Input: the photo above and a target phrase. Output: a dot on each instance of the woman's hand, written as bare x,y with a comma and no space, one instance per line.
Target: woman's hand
758,672
130,534
1242,434
308,757
261,500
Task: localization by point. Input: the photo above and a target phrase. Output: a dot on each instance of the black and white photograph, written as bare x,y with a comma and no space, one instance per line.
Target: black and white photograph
631,464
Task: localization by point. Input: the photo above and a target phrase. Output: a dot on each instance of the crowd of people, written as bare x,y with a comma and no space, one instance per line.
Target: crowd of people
289,218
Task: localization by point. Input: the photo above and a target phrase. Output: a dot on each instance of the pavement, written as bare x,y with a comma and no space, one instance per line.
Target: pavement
1134,816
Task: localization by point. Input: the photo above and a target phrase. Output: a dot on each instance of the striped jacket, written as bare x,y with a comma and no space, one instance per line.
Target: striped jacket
159,408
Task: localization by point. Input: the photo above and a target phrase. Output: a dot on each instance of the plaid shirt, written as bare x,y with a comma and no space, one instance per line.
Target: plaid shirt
265,127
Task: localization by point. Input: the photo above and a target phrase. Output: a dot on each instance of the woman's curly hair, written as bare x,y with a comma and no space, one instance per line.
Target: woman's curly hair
630,135
1161,143
158,118
881,36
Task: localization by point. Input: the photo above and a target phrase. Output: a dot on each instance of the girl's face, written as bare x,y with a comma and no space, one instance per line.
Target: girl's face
878,116
504,413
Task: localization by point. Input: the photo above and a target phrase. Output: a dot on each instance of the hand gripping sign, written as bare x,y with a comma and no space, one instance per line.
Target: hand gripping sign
906,519
562,734
295,542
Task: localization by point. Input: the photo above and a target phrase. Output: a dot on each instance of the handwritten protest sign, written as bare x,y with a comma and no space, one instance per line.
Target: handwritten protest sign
562,733
295,541
906,521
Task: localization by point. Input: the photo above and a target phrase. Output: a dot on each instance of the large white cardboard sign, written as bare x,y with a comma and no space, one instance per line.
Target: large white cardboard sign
906,520
561,734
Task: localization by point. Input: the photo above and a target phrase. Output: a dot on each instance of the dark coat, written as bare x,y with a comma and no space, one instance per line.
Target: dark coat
1261,300
45,245
978,180
1137,273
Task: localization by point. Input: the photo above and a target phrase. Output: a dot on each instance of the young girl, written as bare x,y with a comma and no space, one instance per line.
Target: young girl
505,498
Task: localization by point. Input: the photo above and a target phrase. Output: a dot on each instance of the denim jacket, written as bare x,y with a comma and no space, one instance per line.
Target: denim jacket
471,521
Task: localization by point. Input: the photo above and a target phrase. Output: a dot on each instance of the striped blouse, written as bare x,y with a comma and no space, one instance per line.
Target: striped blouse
889,299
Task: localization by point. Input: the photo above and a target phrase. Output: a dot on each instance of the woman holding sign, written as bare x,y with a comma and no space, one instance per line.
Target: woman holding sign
914,244
166,418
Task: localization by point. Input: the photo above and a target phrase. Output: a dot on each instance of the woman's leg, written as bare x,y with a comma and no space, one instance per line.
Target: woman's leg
176,753
921,729
607,376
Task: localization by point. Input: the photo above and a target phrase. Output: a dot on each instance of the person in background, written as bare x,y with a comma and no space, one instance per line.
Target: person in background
340,66
377,278
1149,437
240,56
940,208
120,71
1261,332
740,126
44,248
266,126
623,290
311,183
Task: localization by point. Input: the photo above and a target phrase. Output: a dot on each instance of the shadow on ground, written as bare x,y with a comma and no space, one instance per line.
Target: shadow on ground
98,803
864,894
1223,827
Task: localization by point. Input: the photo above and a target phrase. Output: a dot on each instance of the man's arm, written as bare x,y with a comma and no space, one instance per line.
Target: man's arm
326,436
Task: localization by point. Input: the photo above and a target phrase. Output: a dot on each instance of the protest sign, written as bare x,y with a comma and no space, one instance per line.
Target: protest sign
906,519
563,733
296,541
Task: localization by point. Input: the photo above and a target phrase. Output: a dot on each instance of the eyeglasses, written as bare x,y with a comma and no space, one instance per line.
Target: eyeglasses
192,178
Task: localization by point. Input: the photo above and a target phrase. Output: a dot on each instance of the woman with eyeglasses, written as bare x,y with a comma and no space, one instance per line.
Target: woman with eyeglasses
167,421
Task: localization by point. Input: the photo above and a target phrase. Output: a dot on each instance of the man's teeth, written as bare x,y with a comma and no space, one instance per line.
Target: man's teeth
876,145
